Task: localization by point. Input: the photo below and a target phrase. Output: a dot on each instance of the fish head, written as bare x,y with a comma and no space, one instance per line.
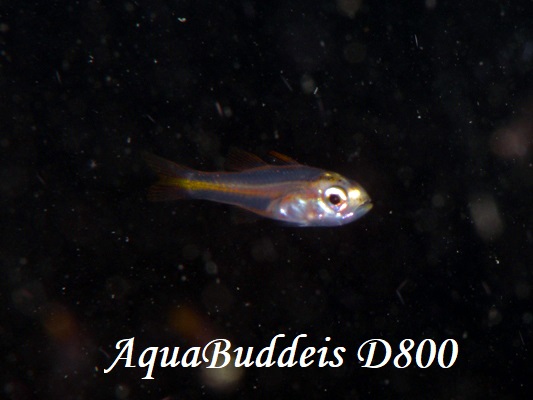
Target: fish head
328,200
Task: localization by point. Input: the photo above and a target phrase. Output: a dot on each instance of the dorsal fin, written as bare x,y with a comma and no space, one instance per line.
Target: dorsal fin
282,158
240,160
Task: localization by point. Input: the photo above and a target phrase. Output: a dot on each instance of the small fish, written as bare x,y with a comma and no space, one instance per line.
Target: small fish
285,191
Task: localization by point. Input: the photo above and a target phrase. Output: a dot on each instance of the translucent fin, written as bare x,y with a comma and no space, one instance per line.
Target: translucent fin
159,192
164,167
282,158
240,160
172,179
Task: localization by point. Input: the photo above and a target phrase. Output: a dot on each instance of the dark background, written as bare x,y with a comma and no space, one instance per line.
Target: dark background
427,104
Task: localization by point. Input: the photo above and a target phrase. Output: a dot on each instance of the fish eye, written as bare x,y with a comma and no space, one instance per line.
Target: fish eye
336,196
334,199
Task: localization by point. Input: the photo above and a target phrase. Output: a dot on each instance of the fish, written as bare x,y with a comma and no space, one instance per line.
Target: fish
285,190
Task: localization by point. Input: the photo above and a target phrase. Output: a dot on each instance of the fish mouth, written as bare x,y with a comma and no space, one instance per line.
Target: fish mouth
365,207
357,212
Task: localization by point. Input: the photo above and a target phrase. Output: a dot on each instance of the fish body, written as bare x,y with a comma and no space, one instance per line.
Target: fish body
286,191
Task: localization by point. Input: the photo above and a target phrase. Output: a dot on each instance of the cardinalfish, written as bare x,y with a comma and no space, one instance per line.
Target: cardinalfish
285,191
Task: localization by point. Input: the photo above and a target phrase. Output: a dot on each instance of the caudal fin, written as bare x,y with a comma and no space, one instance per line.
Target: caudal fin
172,179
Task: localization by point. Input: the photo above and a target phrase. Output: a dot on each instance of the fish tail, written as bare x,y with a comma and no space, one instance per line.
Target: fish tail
173,178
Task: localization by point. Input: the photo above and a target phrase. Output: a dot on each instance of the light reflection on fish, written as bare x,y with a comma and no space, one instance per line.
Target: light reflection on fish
285,191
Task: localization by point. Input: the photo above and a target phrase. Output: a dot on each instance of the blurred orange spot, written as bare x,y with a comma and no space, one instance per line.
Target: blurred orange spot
59,323
189,324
